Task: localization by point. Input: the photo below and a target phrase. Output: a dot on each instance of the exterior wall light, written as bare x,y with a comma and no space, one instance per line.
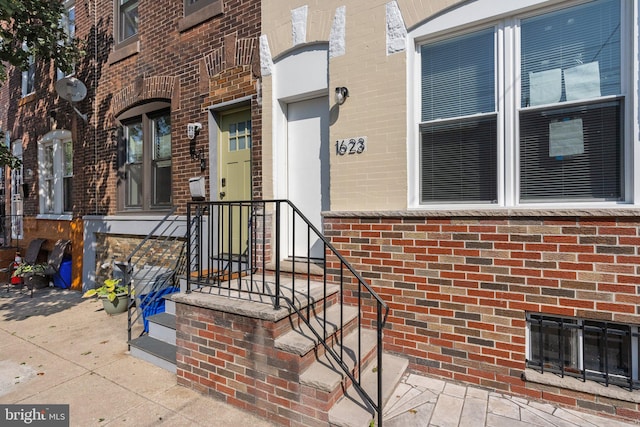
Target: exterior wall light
341,95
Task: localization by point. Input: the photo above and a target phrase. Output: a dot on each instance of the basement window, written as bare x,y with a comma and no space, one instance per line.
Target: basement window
604,352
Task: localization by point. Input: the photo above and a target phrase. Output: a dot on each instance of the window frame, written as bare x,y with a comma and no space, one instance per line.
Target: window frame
581,327
198,13
145,115
505,18
199,5
54,202
28,76
70,30
120,40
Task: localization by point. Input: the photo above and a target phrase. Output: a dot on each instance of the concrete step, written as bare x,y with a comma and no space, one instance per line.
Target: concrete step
325,374
355,411
169,305
154,351
300,340
162,326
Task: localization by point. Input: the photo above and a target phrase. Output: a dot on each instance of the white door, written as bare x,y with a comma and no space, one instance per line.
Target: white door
308,170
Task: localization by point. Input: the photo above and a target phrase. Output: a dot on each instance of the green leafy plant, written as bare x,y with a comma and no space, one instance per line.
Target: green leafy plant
111,289
26,269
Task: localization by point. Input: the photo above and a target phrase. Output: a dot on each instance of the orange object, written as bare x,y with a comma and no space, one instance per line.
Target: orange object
15,280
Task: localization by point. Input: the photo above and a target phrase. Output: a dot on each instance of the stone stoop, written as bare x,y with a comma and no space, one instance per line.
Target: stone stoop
159,346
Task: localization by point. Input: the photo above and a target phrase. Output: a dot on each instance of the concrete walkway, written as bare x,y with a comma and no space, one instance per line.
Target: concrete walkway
60,349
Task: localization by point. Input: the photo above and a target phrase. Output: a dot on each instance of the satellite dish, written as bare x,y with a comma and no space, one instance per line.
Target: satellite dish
72,90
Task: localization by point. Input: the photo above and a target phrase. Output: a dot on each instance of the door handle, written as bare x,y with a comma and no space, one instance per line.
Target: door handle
222,194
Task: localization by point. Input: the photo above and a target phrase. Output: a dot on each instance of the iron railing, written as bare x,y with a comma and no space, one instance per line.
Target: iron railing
11,235
153,267
244,246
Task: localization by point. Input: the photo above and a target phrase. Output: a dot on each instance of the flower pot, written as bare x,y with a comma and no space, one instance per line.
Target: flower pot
118,305
36,281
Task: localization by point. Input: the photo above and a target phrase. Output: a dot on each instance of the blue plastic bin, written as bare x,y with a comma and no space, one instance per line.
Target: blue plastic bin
153,303
62,279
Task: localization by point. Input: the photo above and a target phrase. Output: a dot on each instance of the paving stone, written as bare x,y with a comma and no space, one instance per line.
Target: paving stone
477,393
587,419
417,417
447,411
425,397
504,407
433,384
519,400
540,419
455,390
474,413
544,407
494,420
399,395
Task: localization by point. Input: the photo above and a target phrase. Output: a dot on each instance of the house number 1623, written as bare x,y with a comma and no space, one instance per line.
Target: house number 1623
351,145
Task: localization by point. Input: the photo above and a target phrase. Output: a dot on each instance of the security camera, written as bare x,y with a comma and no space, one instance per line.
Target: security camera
193,129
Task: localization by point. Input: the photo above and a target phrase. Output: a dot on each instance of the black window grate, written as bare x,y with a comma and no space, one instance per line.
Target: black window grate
603,351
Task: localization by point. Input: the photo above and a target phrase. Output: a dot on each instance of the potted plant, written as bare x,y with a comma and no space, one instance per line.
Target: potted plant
33,275
114,296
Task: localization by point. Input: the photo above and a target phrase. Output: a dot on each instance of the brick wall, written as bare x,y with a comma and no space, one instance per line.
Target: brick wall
181,57
232,358
459,288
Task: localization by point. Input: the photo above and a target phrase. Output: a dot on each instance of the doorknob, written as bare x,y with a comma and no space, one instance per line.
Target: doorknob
222,194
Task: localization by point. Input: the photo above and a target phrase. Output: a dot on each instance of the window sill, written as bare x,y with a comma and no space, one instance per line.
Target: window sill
122,52
200,16
27,99
576,384
143,213
613,211
55,217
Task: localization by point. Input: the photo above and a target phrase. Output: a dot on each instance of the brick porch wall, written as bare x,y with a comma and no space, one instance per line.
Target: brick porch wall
231,357
459,288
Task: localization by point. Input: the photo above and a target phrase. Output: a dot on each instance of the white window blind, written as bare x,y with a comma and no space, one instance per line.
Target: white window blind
458,129
571,151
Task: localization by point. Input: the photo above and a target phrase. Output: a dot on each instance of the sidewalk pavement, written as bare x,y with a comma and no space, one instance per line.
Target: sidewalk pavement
57,348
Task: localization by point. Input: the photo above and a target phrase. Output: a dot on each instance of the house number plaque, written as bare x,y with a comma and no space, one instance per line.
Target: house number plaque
350,146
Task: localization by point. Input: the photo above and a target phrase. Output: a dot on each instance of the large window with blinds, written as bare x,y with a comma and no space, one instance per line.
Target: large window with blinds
531,104
459,120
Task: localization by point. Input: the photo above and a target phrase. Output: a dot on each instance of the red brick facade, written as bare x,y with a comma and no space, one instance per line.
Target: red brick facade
192,63
459,288
232,357
194,68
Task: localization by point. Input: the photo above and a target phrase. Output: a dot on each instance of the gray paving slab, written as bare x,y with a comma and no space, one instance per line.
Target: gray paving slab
474,413
415,417
447,411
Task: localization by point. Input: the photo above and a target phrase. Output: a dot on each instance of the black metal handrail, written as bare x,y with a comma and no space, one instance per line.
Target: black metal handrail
153,266
237,244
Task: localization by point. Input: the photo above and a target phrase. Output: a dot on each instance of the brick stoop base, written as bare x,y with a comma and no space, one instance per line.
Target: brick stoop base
228,349
231,357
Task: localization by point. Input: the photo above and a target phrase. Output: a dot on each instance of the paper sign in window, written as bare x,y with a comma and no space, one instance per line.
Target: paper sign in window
566,138
545,87
583,81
